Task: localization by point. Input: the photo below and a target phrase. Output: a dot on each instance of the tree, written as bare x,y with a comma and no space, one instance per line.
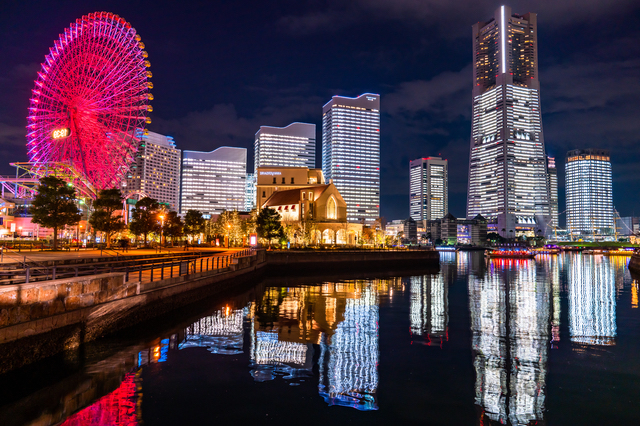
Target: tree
194,223
229,224
143,218
173,226
55,206
103,219
268,225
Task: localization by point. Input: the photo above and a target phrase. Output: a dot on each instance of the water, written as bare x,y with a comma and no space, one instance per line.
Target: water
552,341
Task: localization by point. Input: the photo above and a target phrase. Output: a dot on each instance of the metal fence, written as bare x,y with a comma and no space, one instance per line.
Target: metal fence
134,270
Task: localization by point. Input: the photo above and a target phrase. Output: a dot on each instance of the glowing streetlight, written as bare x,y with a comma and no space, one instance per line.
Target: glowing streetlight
228,235
161,229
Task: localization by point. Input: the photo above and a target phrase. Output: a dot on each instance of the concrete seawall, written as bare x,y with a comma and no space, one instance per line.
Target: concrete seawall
45,318
338,260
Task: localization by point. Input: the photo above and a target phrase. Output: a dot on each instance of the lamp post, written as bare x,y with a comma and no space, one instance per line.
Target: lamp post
161,228
228,235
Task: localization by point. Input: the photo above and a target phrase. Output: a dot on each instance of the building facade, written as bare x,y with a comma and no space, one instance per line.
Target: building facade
429,188
588,185
290,146
215,181
351,153
552,184
507,164
156,170
318,211
250,192
272,179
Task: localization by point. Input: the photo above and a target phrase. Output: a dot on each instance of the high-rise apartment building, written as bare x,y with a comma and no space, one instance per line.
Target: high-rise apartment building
552,185
156,170
290,146
351,153
429,188
213,182
588,185
507,165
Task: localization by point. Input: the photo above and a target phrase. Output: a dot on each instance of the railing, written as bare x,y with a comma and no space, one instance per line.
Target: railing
136,270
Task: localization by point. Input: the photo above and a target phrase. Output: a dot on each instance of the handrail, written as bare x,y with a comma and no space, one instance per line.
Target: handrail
134,266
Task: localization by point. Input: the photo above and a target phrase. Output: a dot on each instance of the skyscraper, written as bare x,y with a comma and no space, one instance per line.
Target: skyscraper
213,182
589,192
429,188
290,146
156,171
552,184
351,153
507,164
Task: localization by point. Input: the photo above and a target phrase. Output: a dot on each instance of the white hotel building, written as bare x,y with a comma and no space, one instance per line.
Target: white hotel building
429,188
507,169
213,182
351,153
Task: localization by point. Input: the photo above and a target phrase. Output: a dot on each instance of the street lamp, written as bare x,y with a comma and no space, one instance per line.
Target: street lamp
161,228
228,235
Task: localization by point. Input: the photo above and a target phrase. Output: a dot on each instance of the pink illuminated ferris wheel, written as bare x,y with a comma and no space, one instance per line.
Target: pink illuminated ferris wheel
90,102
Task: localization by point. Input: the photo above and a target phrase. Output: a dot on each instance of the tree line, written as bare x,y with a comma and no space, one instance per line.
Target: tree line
56,206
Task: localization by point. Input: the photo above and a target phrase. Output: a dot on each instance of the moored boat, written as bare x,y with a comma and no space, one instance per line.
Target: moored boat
515,253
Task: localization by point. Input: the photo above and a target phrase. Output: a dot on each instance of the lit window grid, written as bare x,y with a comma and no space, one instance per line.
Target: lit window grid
284,151
522,188
213,186
589,196
351,158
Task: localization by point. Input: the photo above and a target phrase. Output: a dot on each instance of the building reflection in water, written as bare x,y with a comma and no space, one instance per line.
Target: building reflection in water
220,333
429,309
341,318
592,300
349,357
510,325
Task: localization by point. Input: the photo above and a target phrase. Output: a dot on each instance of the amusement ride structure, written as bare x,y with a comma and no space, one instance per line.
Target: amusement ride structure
88,110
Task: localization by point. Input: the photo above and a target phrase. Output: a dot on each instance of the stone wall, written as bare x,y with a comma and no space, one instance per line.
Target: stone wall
42,302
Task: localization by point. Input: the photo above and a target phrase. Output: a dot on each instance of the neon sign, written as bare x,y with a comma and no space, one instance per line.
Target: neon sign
61,133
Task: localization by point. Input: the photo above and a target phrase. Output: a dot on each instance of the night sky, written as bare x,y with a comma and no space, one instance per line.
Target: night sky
223,68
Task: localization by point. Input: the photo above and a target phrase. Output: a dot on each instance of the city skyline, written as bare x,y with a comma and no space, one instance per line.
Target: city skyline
588,80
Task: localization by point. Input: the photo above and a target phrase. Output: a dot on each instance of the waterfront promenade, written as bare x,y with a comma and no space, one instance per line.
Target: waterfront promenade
65,305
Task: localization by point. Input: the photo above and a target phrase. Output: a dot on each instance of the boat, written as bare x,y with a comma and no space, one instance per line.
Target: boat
619,252
515,253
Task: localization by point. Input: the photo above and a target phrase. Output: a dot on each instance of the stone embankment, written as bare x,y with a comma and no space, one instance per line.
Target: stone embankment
44,318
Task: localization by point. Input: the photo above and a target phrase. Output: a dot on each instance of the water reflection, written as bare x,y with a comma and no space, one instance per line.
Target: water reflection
592,301
510,324
428,309
220,333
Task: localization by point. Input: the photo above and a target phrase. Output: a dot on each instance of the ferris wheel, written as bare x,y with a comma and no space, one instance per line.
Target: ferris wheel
90,102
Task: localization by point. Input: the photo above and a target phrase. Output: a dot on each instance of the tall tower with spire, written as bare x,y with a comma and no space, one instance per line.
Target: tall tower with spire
507,161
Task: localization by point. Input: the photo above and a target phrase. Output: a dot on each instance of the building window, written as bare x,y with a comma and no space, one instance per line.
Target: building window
274,180
332,209
264,194
283,180
304,195
291,181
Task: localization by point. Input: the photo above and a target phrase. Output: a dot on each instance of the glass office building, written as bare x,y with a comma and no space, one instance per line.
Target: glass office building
351,153
290,146
507,167
589,192
213,182
429,188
